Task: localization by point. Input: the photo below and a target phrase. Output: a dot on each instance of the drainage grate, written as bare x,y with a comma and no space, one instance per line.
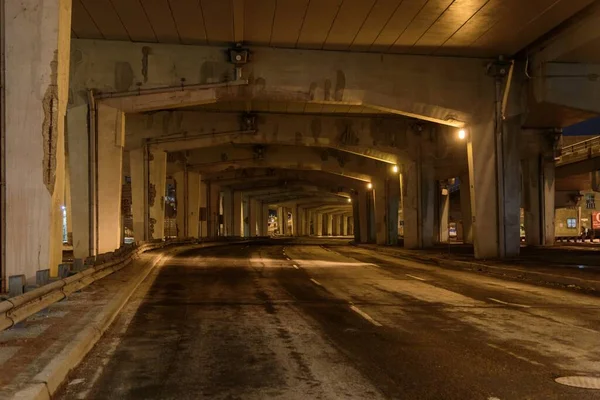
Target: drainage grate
585,382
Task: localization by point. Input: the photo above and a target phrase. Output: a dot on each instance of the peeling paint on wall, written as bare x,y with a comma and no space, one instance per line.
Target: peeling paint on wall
50,127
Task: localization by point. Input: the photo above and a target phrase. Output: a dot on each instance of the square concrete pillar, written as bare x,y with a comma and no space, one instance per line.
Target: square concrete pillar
110,140
444,214
329,224
392,206
187,187
37,35
495,187
228,212
539,198
255,211
465,208
238,214
138,168
213,209
345,219
319,218
157,182
419,186
79,174
282,220
264,220
203,210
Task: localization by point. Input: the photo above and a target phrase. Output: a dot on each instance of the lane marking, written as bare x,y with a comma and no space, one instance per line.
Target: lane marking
315,282
516,355
295,266
415,277
289,259
508,304
364,315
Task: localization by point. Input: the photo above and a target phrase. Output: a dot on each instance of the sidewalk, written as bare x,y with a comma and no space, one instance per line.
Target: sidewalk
38,353
576,268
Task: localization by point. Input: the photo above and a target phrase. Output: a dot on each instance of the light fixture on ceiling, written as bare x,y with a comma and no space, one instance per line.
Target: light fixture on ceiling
462,134
395,169
369,185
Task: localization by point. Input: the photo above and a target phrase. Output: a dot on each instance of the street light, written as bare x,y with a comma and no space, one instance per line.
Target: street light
349,200
395,169
369,185
462,134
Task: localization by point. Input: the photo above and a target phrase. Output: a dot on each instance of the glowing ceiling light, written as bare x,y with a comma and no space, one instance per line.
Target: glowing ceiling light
369,185
395,169
462,134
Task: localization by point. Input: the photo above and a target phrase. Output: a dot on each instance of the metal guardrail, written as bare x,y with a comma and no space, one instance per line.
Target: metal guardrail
579,147
18,308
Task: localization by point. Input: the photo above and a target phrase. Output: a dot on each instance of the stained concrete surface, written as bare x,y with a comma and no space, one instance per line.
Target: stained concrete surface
244,323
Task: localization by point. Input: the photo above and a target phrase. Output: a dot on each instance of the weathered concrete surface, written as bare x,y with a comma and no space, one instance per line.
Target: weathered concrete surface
79,170
109,177
442,89
244,323
37,37
157,176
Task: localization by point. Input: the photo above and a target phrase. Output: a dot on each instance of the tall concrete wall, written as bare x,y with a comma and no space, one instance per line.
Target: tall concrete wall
37,37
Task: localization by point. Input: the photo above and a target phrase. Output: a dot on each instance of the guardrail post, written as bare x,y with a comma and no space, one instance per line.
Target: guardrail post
64,270
42,277
16,285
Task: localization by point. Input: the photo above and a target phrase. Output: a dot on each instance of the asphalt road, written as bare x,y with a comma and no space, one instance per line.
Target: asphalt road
299,321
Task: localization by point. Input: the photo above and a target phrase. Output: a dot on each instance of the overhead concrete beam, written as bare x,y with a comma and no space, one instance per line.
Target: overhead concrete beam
222,158
445,90
382,138
577,41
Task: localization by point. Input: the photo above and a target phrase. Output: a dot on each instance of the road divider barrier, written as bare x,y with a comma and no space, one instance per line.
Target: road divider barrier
18,308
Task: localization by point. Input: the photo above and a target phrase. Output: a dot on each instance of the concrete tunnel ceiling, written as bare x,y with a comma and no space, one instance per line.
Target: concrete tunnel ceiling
479,28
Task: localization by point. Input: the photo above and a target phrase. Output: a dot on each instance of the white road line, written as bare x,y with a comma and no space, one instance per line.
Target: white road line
295,266
508,304
364,315
289,259
516,355
315,282
415,277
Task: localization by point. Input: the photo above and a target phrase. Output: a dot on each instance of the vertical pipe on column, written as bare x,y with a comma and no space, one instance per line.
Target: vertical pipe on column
93,173
2,152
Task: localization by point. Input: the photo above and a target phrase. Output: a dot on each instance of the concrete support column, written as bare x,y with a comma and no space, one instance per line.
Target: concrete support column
319,218
444,214
282,220
213,201
419,186
138,170
329,222
188,202
345,218
363,216
238,214
37,36
203,210
495,187
264,220
539,198
228,212
379,211
253,218
465,208
157,182
110,140
393,204
79,171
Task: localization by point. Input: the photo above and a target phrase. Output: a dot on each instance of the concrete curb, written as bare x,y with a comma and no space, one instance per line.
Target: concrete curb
50,379
506,272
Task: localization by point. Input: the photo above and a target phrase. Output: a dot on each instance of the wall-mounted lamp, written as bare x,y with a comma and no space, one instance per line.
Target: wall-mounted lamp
369,185
462,134
395,169
349,200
